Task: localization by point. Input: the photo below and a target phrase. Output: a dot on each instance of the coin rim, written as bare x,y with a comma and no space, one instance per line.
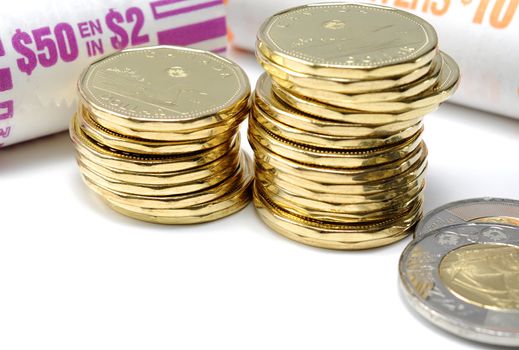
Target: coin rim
427,217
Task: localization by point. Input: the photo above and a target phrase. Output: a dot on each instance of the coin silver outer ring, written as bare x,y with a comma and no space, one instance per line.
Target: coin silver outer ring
420,227
457,325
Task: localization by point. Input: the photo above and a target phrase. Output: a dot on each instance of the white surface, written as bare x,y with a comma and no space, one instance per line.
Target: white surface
76,275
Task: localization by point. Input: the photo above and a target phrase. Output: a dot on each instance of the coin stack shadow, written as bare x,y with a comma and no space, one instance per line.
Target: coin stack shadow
339,157
159,161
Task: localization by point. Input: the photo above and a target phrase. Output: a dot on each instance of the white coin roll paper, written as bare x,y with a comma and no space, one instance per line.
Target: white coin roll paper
481,35
45,44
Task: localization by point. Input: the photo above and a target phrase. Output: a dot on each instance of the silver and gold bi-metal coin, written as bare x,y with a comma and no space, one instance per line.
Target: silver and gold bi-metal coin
465,279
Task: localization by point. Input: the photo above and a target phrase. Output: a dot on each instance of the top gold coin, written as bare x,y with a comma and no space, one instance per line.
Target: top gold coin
357,41
165,85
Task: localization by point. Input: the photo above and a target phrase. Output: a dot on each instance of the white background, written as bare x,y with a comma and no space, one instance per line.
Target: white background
76,275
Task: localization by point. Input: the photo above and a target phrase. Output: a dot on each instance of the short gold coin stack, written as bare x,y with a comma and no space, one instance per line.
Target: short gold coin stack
336,123
157,134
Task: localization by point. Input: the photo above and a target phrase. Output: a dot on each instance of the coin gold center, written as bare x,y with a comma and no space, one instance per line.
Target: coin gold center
498,220
486,275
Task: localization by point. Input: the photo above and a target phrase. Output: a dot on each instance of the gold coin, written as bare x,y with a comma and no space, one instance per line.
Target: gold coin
343,218
331,158
209,211
111,180
197,135
145,164
338,176
340,201
365,188
350,41
350,100
143,146
192,216
327,141
360,220
226,163
345,86
331,120
154,190
164,88
332,193
334,236
439,93
342,206
239,180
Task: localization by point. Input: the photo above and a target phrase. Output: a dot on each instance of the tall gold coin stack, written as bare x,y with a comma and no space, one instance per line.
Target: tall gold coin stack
156,134
336,126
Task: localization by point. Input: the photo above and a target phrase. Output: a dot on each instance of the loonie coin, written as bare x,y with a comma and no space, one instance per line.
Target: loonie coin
149,190
370,192
330,157
395,94
239,180
332,235
337,120
338,176
141,163
157,134
227,204
340,207
137,145
339,114
369,38
333,142
439,93
493,210
164,89
465,279
346,86
185,135
227,163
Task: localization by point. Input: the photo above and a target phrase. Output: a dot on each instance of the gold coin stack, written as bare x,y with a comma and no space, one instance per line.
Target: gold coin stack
336,123
157,134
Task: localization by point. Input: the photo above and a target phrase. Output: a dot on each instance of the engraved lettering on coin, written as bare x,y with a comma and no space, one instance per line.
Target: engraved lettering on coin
485,275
